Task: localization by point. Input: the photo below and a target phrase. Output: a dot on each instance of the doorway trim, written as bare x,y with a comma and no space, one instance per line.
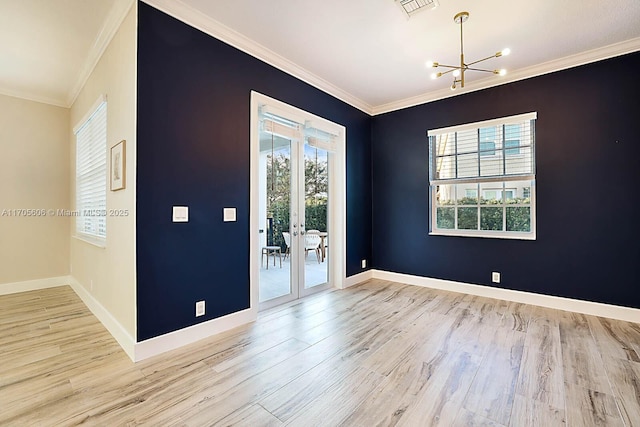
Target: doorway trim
337,190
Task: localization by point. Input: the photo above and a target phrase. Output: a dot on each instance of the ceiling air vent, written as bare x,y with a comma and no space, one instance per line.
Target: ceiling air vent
411,7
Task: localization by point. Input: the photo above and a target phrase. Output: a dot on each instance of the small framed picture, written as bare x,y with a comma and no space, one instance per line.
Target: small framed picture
118,166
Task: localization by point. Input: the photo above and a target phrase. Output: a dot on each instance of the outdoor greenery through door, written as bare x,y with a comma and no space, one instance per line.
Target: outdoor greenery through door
278,193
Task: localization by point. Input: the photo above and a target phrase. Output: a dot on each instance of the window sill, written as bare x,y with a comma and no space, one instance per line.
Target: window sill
99,243
484,234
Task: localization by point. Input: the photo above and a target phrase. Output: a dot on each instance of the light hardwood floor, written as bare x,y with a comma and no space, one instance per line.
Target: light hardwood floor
380,353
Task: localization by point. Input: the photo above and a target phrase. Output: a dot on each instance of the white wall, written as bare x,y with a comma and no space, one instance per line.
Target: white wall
34,174
109,274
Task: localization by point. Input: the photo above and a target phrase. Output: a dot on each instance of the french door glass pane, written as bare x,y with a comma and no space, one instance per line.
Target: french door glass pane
275,237
316,196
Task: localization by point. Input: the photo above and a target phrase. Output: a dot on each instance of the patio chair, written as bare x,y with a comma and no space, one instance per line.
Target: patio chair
287,241
312,242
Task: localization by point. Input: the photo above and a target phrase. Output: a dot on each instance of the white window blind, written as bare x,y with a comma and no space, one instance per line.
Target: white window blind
495,148
323,140
482,178
318,132
91,174
281,127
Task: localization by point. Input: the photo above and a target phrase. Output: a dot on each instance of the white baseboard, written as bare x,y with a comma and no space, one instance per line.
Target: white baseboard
568,304
142,350
136,350
119,333
357,278
191,334
32,285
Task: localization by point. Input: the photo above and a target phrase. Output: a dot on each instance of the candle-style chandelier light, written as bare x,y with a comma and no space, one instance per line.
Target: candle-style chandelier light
459,70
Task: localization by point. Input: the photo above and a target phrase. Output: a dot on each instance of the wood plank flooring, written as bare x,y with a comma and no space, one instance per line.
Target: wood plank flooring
377,354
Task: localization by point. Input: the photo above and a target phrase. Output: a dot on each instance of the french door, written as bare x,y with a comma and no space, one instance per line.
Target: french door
294,176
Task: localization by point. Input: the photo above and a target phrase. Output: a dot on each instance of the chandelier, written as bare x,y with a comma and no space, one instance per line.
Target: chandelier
459,70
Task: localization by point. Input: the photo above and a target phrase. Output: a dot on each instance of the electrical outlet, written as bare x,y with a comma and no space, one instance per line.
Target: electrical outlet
199,308
364,263
495,277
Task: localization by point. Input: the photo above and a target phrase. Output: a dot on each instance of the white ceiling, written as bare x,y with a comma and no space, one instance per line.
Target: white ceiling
366,52
49,47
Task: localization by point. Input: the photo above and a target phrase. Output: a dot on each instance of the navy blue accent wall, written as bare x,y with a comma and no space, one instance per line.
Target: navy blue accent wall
193,150
588,179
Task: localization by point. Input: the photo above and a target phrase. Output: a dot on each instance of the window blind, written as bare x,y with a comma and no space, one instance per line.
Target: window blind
322,134
323,140
501,149
287,130
318,133
91,175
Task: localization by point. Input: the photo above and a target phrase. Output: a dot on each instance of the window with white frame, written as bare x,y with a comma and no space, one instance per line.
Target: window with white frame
91,173
482,178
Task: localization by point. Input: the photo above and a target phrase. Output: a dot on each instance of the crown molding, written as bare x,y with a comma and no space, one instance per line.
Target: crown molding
214,28
31,96
109,28
112,23
202,22
590,56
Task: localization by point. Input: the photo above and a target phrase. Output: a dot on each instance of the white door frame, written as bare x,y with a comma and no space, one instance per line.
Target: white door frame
337,191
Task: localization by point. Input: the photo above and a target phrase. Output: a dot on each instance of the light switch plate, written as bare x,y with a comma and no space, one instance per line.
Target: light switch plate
229,214
180,214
